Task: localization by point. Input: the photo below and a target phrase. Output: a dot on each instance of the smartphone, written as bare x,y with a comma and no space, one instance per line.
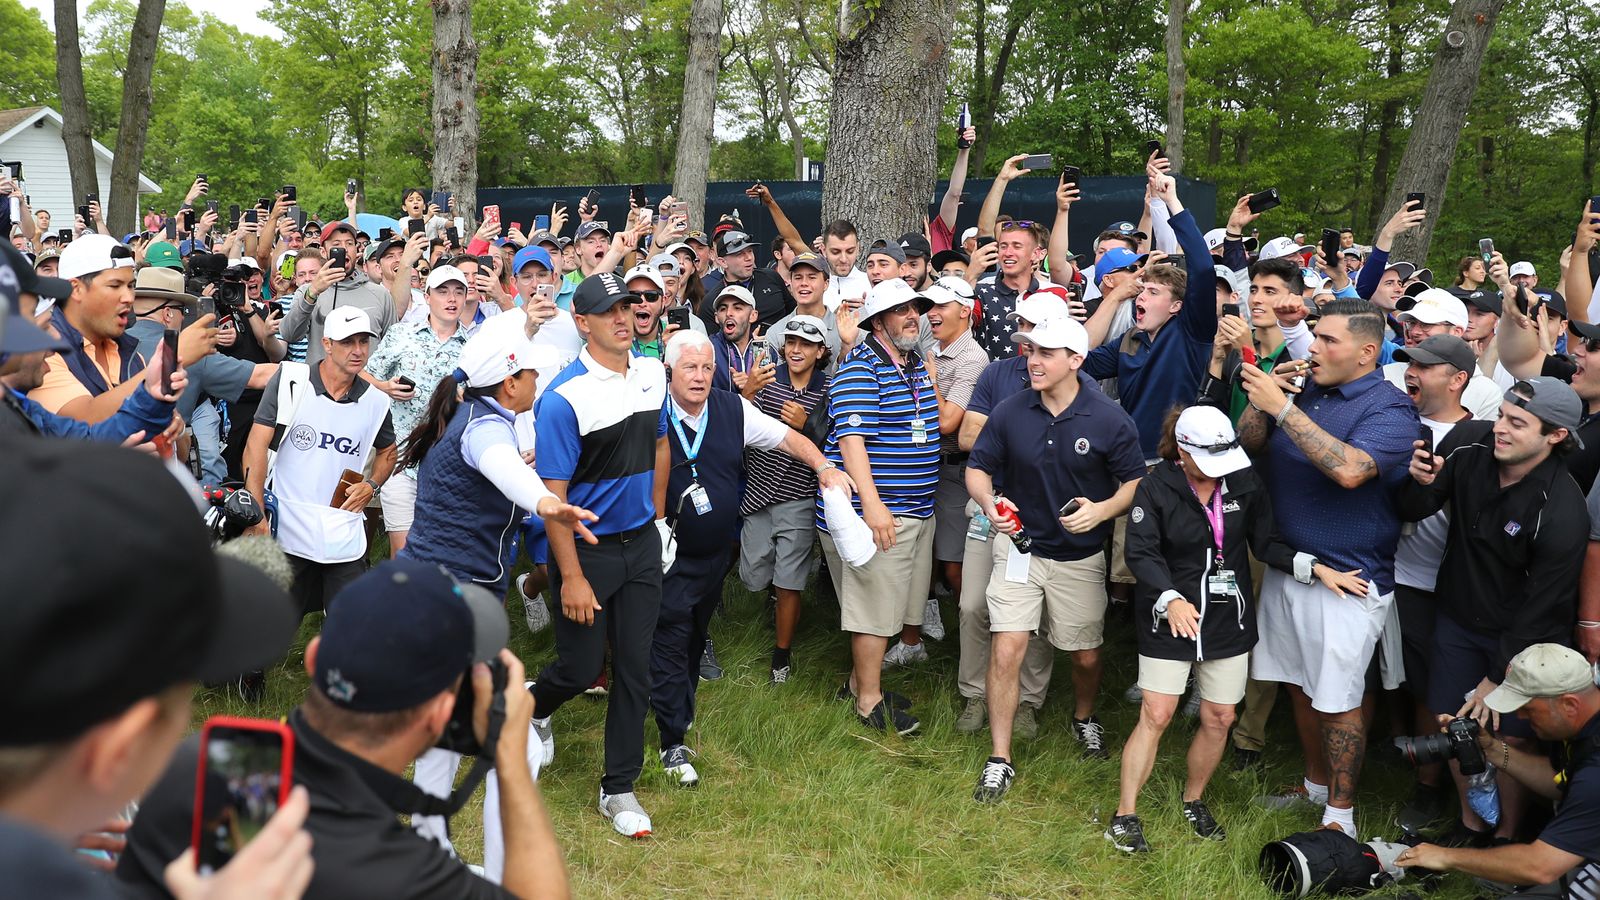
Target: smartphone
1067,509
203,179
1231,309
679,316
1070,175
90,198
453,236
65,234
636,194
1330,245
169,359
299,218
541,223
83,213
1486,250
1037,161
1594,204
1153,148
401,379
1262,201
233,216
348,479
593,199
679,208
289,194
263,203
491,214
340,257
248,217
16,170
415,226
545,291
186,220
350,186
245,772
1425,435
647,215
211,205
441,199
1418,199
172,228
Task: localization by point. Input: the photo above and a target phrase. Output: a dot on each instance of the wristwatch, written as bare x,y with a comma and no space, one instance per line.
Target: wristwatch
826,465
376,487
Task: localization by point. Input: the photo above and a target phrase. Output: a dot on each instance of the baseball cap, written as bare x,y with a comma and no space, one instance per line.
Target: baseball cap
336,226
1522,267
1440,348
1313,280
1540,670
1114,260
158,283
697,237
806,328
1358,251
444,275
1485,301
733,241
810,261
598,293
27,279
736,292
1217,236
402,633
1404,269
163,254
1554,300
890,249
890,293
591,227
674,248
346,321
501,348
1432,306
19,334
1127,229
93,253
1056,333
1238,282
1040,306
950,290
377,249
544,237
73,653
915,245
47,253
533,253
648,272
1282,246
1207,435
969,234
944,258
665,264
1552,400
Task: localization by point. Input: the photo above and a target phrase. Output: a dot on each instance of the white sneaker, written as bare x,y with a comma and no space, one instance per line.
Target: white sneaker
903,654
1134,693
625,813
547,737
675,760
534,609
932,624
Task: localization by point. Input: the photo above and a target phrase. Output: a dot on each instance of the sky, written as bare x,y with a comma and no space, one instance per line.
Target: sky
242,14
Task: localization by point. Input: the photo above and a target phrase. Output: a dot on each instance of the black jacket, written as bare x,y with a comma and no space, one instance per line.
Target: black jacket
1170,548
1512,556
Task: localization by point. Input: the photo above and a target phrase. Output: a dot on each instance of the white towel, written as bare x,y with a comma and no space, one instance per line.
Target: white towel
851,536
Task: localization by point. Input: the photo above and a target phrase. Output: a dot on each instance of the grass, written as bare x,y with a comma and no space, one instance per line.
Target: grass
798,800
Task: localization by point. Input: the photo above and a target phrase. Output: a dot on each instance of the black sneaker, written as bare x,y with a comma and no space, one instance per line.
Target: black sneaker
884,716
1127,834
897,701
1203,822
1092,735
1424,810
252,686
709,669
994,781
780,675
1246,759
1460,835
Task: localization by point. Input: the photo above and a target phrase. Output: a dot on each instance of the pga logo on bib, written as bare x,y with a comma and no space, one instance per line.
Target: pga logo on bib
304,437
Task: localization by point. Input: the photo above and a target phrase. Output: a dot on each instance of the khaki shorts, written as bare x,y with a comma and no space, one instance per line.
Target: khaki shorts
1218,680
399,502
1071,596
891,590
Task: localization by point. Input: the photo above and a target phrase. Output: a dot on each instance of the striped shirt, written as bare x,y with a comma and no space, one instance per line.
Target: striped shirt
775,476
597,430
877,401
959,366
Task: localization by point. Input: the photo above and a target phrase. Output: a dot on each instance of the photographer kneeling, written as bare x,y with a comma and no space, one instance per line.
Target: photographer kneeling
385,674
1553,688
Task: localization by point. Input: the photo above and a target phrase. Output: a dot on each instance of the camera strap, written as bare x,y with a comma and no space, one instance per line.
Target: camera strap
406,797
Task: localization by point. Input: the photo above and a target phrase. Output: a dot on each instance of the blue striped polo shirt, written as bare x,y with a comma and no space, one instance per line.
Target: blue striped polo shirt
872,398
597,430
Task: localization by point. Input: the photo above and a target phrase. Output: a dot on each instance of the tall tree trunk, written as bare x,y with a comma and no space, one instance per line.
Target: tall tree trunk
692,164
1177,81
1431,149
74,104
889,79
455,107
780,73
123,213
1388,121
988,106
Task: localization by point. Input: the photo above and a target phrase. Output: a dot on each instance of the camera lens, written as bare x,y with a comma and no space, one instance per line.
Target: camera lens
1424,748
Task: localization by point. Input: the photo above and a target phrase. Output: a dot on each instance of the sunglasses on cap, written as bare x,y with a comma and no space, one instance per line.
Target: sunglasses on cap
1210,448
1015,224
600,226
806,328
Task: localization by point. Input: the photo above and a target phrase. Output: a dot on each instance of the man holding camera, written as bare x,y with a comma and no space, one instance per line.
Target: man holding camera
383,691
1552,689
338,284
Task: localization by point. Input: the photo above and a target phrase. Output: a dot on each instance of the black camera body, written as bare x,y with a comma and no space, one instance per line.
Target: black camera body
1458,742
458,735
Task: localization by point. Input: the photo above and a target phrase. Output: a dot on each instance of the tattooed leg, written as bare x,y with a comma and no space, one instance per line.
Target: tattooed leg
1344,741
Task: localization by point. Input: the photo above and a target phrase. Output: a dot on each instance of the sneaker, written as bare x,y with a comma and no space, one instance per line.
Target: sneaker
1246,759
974,715
1134,693
1460,835
1423,810
780,675
601,686
252,686
1290,797
1127,834
625,813
534,609
709,670
1092,735
547,739
675,760
994,781
903,654
1025,726
895,701
884,716
1191,707
932,623
1204,824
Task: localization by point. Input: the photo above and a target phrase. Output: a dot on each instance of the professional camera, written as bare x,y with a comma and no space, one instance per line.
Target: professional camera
1458,742
458,733
1331,862
202,271
231,289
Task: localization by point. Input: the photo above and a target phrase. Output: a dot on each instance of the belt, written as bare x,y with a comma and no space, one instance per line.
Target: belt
955,459
625,537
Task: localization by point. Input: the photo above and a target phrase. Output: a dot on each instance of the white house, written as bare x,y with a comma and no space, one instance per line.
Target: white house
32,136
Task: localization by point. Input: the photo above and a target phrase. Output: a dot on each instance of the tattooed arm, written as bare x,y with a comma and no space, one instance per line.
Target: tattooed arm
1346,465
1254,429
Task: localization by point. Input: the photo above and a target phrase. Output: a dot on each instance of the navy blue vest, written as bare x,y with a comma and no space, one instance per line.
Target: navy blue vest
721,468
462,521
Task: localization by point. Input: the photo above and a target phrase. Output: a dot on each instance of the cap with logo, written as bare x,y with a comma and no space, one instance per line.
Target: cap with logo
1127,229
157,283
737,293
1553,300
347,321
1551,400
733,241
593,226
336,226
1057,333
1440,348
1522,267
533,253
950,290
890,249
1283,246
1116,259
501,348
809,260
598,293
806,328
697,237
1356,250
1484,301
1432,306
544,237
915,245
888,294
445,275
93,253
1206,434
163,254
1041,305
74,654
1216,237
403,633
1540,670
649,273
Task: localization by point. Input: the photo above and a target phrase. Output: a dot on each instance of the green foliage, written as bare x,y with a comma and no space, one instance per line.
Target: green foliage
29,75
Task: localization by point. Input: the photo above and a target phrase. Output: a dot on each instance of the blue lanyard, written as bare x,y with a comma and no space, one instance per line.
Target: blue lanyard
691,453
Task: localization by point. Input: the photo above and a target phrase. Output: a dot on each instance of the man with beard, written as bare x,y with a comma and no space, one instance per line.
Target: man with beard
1435,311
841,246
915,269
733,341
736,255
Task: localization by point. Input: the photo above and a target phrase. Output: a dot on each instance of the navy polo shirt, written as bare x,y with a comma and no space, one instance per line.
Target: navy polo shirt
1089,450
1347,529
1004,377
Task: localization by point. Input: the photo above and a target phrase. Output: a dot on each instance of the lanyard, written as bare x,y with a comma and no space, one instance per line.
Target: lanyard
743,358
1213,511
906,376
691,453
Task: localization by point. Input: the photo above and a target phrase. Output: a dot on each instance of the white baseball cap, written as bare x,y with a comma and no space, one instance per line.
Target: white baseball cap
500,349
1522,267
1205,433
1541,670
1040,307
1432,307
93,253
968,235
647,272
347,321
806,328
1238,282
950,290
1281,246
1059,332
445,274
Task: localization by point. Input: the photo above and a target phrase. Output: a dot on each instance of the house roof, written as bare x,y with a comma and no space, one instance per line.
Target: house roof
14,120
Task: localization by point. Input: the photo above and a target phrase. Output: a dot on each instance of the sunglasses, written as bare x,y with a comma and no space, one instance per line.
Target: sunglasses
1210,448
803,328
648,296
1015,224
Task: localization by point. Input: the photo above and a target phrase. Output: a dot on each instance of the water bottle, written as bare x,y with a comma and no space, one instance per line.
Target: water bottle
1005,510
1483,795
963,122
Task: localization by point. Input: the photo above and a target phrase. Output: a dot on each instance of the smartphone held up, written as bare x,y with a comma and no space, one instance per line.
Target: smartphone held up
244,775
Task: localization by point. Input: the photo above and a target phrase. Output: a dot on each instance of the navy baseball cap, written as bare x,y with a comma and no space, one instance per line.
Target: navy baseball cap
1127,228
591,227
533,253
18,334
599,292
1115,259
402,633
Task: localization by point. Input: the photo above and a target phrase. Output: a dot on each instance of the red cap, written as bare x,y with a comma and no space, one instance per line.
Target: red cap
337,224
